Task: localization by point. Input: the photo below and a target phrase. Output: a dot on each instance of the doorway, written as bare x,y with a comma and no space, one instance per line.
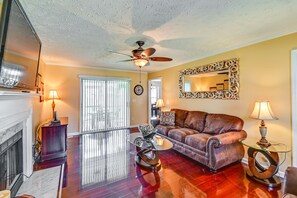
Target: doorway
294,104
155,93
105,103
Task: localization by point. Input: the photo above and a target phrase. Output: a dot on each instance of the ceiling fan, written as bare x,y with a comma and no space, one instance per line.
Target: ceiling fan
141,57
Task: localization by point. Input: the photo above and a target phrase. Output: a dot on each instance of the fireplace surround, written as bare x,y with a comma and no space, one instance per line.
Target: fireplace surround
16,126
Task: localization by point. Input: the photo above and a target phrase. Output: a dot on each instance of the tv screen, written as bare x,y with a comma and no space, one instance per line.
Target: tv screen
20,50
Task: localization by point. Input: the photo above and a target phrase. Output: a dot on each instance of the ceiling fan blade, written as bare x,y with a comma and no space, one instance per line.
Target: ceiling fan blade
137,52
121,54
149,51
160,59
126,60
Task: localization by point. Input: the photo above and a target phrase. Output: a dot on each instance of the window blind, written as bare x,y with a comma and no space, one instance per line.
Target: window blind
105,104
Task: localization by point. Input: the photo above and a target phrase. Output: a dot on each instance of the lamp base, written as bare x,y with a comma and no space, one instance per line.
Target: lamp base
55,122
263,142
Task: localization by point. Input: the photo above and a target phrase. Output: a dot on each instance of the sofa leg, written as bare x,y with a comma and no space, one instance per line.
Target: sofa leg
213,170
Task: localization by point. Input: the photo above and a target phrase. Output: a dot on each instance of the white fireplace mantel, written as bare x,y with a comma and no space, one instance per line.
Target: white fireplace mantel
16,109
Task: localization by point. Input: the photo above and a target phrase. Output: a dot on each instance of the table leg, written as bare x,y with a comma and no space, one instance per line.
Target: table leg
261,174
148,158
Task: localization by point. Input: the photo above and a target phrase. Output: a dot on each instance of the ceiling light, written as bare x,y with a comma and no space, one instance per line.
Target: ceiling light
140,62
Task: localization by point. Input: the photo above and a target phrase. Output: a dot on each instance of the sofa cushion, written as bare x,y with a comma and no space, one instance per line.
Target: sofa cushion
180,116
167,118
162,129
195,120
180,133
198,141
221,123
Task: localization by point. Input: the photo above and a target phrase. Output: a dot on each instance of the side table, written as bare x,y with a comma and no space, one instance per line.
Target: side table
54,140
258,173
155,121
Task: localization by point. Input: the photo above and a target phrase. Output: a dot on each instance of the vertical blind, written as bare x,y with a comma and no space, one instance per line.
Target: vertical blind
105,103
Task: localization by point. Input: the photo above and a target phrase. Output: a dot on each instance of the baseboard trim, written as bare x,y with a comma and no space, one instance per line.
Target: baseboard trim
69,135
279,173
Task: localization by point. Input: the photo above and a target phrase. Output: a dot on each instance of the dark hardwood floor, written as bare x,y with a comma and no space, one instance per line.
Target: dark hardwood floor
102,165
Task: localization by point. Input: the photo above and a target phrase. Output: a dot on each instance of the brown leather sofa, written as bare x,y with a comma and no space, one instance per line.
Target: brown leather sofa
210,139
290,183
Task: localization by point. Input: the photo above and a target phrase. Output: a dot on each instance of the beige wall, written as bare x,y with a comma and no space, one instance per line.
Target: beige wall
264,75
38,107
66,81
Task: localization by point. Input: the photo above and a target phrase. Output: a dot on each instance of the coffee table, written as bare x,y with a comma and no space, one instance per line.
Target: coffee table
148,150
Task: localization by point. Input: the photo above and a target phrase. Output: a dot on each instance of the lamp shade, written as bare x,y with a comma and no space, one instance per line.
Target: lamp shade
262,111
53,94
160,103
140,62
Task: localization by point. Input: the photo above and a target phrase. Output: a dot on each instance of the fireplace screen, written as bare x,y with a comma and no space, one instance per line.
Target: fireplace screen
11,163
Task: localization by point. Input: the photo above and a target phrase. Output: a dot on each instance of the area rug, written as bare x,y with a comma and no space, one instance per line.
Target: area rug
43,183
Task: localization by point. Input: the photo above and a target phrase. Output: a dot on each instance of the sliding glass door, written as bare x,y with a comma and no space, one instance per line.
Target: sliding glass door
105,103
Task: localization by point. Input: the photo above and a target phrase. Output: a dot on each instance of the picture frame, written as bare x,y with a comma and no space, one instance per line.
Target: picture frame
212,88
41,98
40,87
230,65
38,83
220,86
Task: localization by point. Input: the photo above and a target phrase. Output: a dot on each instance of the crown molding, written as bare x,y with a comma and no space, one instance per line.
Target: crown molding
91,67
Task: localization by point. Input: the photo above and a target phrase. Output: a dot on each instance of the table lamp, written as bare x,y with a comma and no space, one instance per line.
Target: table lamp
262,111
53,94
159,104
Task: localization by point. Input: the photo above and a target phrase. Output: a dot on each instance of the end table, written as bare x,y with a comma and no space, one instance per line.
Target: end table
155,121
258,173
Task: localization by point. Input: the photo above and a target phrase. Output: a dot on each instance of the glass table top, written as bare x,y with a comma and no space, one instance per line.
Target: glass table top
158,143
274,147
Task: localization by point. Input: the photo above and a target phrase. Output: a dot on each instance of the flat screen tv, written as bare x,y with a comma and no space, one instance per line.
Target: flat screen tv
20,48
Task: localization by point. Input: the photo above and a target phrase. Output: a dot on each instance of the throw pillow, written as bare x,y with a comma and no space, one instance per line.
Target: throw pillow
167,118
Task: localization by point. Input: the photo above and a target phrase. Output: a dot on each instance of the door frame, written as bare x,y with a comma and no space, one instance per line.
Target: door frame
294,104
82,77
149,95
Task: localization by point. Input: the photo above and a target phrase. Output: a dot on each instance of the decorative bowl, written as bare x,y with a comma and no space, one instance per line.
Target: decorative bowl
147,131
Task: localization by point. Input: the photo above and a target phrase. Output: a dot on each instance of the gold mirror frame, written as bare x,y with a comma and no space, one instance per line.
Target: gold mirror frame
232,65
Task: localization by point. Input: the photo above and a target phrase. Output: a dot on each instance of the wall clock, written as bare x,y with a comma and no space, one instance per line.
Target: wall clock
138,90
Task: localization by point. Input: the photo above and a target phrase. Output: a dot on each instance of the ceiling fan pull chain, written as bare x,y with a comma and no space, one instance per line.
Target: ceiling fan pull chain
140,75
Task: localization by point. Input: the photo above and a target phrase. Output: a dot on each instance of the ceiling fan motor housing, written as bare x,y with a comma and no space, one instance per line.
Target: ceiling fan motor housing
140,43
137,52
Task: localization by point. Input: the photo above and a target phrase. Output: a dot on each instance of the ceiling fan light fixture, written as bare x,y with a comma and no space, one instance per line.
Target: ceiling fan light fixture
140,62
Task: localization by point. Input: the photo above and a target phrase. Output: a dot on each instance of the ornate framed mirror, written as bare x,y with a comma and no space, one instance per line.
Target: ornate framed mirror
219,80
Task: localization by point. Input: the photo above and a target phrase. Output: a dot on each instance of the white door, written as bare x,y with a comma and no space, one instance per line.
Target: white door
105,103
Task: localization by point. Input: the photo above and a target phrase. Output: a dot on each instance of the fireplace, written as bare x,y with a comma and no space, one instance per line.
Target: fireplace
16,131
11,163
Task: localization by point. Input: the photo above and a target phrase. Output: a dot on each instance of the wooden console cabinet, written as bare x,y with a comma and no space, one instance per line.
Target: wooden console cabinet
54,140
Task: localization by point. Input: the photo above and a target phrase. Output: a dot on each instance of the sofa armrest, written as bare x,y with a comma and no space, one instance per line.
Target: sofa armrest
227,138
290,181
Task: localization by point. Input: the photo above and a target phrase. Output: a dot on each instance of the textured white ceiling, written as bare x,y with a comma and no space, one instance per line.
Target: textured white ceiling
81,32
